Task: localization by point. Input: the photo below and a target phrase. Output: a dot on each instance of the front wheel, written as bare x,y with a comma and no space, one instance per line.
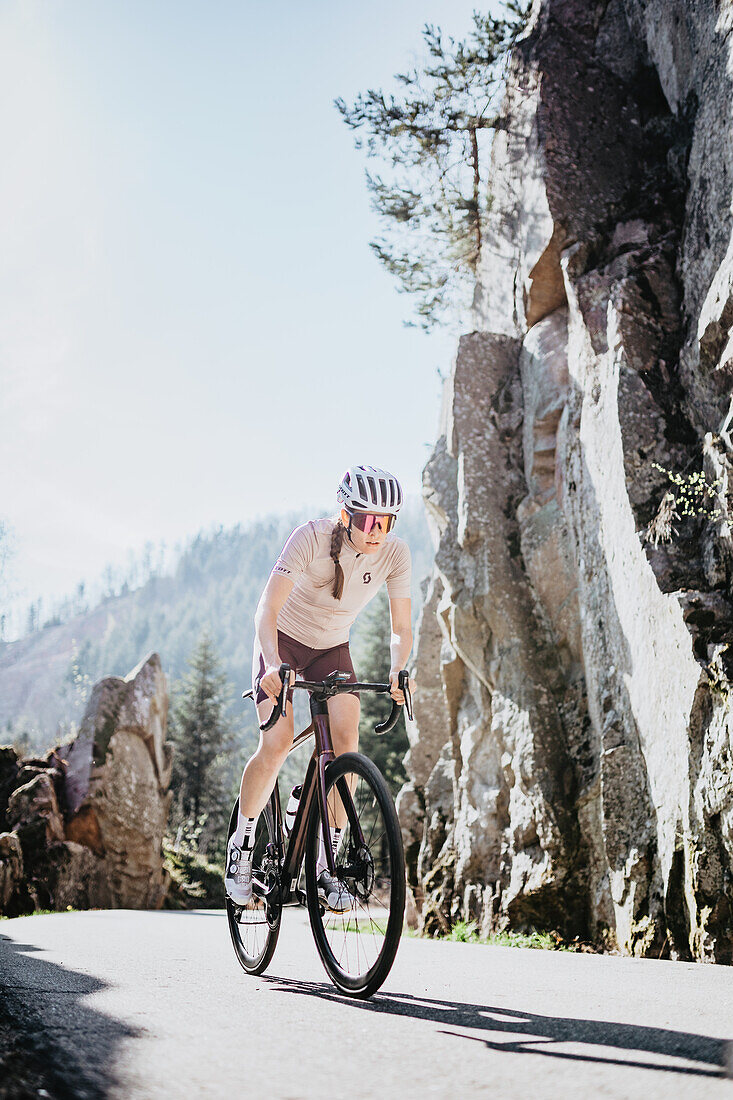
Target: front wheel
358,946
255,927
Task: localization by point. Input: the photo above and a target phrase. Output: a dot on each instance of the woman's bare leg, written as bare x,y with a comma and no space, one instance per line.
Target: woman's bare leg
343,717
260,773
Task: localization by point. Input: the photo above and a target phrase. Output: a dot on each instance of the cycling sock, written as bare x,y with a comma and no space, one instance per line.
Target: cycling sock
322,863
244,834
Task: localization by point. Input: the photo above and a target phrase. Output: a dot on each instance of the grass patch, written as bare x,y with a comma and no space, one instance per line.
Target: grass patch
540,941
467,932
364,926
41,913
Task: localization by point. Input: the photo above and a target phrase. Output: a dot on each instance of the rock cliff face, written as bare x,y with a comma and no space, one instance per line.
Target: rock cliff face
571,765
85,825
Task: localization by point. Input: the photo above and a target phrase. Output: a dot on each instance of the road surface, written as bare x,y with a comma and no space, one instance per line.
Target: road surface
128,1004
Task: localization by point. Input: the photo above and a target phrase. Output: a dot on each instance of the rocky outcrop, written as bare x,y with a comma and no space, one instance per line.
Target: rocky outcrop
572,764
85,825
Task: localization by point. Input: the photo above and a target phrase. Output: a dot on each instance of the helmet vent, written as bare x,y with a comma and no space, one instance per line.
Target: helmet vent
362,487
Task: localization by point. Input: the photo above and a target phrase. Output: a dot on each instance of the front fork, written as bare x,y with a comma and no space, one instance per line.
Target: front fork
324,756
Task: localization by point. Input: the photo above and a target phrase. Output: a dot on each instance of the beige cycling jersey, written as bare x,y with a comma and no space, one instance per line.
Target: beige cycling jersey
311,614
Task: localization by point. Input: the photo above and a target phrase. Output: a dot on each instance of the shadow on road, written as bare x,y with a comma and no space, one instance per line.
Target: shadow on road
536,1032
42,1003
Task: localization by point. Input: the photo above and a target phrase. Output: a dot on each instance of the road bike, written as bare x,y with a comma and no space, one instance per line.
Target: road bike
357,946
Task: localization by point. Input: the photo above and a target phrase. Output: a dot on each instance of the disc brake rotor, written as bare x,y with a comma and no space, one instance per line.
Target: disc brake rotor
364,879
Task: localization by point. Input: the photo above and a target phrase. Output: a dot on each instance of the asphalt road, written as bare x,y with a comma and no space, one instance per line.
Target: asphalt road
154,1005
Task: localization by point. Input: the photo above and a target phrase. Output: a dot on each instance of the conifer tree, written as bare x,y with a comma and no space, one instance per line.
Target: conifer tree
430,139
388,749
202,735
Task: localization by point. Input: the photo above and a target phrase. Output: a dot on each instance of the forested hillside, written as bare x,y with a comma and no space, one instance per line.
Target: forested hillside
46,676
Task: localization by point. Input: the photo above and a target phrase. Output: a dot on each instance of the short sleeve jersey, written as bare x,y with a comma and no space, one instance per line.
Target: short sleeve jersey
310,614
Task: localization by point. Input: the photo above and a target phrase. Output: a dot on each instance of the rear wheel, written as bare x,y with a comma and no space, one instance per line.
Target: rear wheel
254,928
358,946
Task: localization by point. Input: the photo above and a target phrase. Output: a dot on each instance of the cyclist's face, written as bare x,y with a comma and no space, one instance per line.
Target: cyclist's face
365,544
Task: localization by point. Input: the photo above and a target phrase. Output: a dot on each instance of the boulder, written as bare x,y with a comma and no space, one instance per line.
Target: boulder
117,780
8,777
37,799
88,822
11,869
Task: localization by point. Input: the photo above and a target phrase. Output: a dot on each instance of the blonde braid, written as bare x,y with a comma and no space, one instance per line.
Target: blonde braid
337,538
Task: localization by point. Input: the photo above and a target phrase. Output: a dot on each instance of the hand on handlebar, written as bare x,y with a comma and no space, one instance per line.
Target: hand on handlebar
395,685
279,710
271,682
401,688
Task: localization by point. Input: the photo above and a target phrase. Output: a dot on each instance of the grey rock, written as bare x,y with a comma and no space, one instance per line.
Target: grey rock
33,800
88,822
124,809
577,712
11,868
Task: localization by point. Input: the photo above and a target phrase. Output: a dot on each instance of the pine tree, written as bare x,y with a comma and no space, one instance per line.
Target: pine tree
202,735
431,140
388,749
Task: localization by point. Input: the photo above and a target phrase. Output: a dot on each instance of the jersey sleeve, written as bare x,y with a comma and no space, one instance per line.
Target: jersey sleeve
297,553
398,579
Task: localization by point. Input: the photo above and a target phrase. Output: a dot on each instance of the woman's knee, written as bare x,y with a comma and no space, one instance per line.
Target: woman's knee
344,722
277,742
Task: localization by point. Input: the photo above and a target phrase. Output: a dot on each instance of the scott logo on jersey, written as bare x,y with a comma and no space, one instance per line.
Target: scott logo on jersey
366,578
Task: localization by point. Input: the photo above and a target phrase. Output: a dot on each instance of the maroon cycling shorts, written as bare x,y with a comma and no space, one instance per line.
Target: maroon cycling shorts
310,664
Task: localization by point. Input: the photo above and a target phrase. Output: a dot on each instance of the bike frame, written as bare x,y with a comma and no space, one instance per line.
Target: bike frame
314,786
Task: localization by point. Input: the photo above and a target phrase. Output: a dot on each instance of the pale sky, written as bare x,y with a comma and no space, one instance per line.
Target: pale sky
193,330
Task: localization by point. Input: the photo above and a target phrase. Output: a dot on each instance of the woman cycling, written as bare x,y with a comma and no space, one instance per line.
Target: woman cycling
327,572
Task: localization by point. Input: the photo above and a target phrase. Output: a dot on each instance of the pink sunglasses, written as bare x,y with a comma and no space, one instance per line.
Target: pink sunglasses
366,521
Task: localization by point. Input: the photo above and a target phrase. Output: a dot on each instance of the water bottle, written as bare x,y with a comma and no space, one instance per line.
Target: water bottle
292,808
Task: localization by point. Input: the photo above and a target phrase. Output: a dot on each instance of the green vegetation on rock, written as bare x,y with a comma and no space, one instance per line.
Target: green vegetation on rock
467,932
196,883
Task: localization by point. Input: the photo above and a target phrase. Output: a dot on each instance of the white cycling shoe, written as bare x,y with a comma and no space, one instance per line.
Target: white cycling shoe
238,876
334,894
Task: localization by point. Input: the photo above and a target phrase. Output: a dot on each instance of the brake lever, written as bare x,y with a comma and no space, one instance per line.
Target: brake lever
404,682
281,706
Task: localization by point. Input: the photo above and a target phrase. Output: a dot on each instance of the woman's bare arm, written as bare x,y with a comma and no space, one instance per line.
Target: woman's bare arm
400,611
272,599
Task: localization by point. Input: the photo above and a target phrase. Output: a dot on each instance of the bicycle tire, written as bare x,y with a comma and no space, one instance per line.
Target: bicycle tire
358,949
254,930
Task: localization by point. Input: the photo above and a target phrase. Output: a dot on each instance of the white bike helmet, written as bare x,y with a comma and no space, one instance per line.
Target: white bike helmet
369,489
